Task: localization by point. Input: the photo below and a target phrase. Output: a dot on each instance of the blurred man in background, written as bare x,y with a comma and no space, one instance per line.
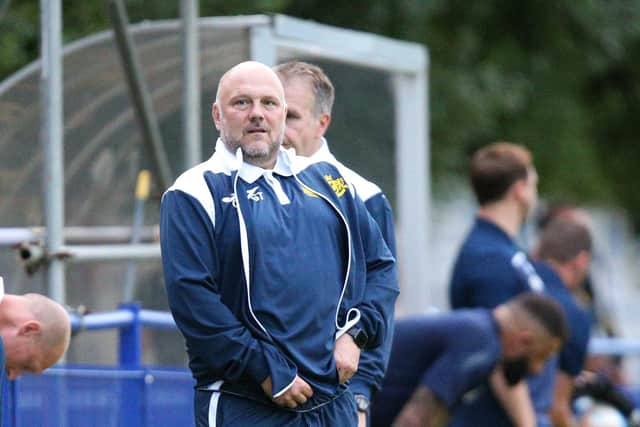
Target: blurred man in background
309,94
490,267
436,359
564,252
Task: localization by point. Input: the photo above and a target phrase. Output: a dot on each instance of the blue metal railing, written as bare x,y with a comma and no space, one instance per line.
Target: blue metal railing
130,315
131,395
130,320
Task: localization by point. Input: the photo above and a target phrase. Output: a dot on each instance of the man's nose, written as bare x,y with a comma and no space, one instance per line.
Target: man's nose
256,112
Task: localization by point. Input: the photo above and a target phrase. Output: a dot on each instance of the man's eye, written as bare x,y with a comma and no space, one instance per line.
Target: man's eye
241,102
270,103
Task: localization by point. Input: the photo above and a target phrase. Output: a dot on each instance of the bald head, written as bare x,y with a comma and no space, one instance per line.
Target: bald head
56,325
35,332
250,112
247,70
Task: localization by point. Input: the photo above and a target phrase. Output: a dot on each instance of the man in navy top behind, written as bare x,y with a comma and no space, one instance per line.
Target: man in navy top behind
309,94
436,359
490,267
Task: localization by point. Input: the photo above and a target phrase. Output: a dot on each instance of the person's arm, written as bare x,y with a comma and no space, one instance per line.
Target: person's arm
347,356
362,419
561,413
373,364
571,360
375,301
381,289
217,342
424,409
515,400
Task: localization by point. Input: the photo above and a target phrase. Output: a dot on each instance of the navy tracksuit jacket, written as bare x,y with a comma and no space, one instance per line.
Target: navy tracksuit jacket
247,305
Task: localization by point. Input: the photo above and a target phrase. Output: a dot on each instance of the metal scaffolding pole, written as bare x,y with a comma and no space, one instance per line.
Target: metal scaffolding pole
139,93
51,137
52,140
92,253
10,236
191,84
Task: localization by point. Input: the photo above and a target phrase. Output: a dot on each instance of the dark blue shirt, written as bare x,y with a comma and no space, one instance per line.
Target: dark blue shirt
574,352
490,269
450,354
318,285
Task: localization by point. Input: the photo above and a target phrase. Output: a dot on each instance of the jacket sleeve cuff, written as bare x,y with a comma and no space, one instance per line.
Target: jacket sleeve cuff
278,393
282,371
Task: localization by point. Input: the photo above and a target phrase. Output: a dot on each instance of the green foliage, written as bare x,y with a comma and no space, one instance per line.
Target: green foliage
19,35
556,75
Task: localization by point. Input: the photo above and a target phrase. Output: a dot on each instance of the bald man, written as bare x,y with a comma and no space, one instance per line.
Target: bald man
35,333
275,273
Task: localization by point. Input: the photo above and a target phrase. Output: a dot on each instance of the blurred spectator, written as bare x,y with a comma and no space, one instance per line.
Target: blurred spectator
436,359
609,366
564,254
599,384
587,292
491,268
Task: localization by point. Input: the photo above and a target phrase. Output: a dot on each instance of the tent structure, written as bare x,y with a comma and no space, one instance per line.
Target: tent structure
72,148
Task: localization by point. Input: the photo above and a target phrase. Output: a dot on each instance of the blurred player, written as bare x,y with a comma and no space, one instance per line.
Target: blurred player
490,267
436,359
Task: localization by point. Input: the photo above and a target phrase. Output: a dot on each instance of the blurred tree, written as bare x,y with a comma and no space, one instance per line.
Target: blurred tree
556,75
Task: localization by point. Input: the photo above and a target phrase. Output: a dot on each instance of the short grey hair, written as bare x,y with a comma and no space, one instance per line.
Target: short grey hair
323,91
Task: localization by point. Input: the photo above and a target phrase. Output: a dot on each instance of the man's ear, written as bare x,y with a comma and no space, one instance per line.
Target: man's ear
324,121
215,114
580,266
30,328
584,260
519,189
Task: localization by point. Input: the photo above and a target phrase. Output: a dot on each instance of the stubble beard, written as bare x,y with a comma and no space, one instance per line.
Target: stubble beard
256,155
260,155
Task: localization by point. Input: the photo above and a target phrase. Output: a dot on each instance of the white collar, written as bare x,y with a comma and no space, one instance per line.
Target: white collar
250,173
323,154
1,288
